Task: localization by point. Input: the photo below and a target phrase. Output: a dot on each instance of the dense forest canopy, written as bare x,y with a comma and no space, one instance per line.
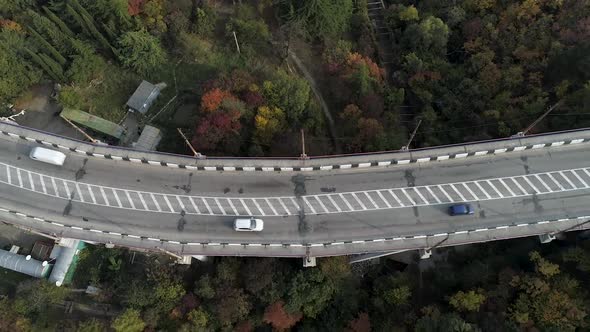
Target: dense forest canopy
517,285
245,77
468,69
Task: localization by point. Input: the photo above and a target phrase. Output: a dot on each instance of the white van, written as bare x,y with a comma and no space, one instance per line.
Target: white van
248,225
47,156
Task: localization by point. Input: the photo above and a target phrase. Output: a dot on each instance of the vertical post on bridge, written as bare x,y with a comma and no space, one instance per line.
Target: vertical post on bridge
195,153
303,154
532,125
407,146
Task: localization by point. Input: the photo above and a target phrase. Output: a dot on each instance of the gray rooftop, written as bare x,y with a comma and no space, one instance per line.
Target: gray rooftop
143,97
149,139
64,257
21,264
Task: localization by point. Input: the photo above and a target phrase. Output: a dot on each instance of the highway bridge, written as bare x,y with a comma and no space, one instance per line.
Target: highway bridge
368,203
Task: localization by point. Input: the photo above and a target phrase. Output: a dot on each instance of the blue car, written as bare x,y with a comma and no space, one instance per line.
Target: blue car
460,209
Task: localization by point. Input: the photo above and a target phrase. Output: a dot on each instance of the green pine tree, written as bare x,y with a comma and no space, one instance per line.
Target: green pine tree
45,45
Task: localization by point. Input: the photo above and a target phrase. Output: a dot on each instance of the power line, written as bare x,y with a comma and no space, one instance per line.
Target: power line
428,131
539,119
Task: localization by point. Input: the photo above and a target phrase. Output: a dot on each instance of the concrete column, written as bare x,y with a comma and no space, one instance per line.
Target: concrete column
184,260
425,253
309,262
546,238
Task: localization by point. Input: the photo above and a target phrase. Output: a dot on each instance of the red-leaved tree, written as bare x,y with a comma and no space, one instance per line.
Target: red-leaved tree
134,7
215,127
213,98
360,324
276,315
243,326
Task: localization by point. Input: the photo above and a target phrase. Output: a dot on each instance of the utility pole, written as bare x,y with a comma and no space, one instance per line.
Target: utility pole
237,44
195,153
527,129
407,146
303,155
81,131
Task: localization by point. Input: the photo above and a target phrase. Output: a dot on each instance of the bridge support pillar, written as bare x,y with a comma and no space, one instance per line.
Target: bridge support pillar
309,261
546,238
425,253
184,260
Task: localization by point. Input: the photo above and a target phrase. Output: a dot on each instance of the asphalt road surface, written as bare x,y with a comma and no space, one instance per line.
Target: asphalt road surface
306,207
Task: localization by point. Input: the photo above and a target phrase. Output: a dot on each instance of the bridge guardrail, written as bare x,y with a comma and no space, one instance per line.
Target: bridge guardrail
363,160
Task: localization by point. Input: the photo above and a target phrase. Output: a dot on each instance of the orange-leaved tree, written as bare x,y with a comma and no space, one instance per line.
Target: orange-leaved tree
276,315
212,99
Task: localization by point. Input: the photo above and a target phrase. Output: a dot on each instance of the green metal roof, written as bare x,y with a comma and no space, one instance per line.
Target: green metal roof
72,270
93,122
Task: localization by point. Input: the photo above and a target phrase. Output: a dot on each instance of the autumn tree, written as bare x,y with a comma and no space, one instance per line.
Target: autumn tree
547,299
198,318
153,15
398,296
231,305
335,268
268,121
212,99
467,301
276,315
360,324
135,7
398,16
370,133
216,127
543,266
353,76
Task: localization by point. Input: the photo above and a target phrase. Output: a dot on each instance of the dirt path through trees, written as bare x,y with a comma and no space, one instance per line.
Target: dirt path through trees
312,83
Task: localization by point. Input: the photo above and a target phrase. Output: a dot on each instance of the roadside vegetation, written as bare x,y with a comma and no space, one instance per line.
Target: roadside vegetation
516,285
468,69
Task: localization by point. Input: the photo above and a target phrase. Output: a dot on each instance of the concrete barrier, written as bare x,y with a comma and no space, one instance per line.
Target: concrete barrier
323,163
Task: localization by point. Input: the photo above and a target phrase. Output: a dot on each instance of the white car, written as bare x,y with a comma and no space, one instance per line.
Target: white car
248,224
47,156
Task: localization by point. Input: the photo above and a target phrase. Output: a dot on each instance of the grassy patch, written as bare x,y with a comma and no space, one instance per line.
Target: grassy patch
108,98
182,76
105,97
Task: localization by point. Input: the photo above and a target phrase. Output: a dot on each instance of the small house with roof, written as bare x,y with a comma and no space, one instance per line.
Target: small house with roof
143,97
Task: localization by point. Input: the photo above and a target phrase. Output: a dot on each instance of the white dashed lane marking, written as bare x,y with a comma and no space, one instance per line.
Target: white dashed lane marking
358,201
